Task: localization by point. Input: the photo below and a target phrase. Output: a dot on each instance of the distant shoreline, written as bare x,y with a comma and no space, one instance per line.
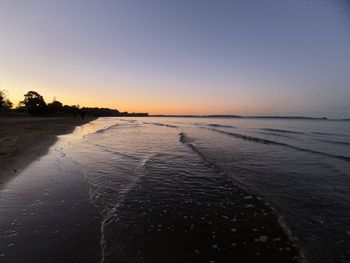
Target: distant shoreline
248,117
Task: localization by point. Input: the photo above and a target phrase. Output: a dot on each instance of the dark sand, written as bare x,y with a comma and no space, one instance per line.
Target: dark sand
24,139
45,212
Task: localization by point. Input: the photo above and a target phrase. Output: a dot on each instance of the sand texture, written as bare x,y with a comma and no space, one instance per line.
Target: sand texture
22,139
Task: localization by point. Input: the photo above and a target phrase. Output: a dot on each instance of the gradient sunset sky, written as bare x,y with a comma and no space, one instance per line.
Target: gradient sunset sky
262,57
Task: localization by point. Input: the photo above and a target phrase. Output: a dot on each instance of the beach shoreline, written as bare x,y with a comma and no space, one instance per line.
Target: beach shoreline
24,139
46,214
113,186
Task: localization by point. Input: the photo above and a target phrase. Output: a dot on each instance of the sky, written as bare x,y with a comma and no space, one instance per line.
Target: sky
245,57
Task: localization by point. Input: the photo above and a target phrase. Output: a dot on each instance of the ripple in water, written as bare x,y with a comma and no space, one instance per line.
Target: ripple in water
173,193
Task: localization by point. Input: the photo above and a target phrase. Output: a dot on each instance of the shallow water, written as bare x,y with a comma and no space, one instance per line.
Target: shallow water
141,166
46,214
200,189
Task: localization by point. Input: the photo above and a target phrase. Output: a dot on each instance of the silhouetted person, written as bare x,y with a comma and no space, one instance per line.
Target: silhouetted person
82,114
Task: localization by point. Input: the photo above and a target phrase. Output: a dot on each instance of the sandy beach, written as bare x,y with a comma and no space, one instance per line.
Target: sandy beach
23,139
46,215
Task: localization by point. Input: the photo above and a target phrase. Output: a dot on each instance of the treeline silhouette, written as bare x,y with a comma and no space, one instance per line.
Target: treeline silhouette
5,103
34,104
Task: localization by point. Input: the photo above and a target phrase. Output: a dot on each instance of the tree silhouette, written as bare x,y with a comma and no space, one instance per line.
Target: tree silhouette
54,107
5,103
34,103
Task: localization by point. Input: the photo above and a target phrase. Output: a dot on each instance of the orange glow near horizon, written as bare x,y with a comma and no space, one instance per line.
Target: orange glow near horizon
152,105
127,99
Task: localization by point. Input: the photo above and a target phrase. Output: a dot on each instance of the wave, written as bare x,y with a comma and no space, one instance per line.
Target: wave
283,131
333,142
331,134
186,123
265,141
130,121
220,125
247,137
248,193
275,134
132,124
161,124
187,141
106,128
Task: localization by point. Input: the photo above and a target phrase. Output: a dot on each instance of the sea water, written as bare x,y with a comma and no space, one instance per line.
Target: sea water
150,175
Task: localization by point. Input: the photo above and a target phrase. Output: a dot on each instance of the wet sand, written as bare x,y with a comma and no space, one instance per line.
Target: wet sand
24,139
46,215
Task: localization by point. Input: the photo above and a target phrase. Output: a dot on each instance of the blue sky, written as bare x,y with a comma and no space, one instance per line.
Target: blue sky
270,57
